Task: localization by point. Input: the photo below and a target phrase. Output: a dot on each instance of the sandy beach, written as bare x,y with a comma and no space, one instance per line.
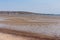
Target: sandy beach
36,26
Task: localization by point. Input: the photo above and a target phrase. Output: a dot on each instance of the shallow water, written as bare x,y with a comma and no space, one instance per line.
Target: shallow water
50,30
3,19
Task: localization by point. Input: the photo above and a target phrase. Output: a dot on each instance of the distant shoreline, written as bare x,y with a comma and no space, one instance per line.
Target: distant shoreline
24,12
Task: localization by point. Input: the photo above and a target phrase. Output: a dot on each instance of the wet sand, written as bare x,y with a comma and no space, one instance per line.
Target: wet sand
32,26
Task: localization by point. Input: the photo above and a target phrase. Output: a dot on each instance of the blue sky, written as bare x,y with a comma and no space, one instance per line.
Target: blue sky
39,6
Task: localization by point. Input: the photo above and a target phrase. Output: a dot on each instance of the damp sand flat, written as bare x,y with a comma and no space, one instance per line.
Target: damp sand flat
30,27
46,27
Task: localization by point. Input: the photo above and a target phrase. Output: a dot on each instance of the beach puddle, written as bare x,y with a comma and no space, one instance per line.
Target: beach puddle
50,30
3,19
3,25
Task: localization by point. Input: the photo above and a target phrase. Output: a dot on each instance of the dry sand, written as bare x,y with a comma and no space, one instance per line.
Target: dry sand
4,36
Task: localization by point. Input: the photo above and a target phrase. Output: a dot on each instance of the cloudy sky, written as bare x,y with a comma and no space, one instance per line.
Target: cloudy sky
39,6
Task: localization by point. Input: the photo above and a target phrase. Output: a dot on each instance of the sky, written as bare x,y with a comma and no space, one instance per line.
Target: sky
38,6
